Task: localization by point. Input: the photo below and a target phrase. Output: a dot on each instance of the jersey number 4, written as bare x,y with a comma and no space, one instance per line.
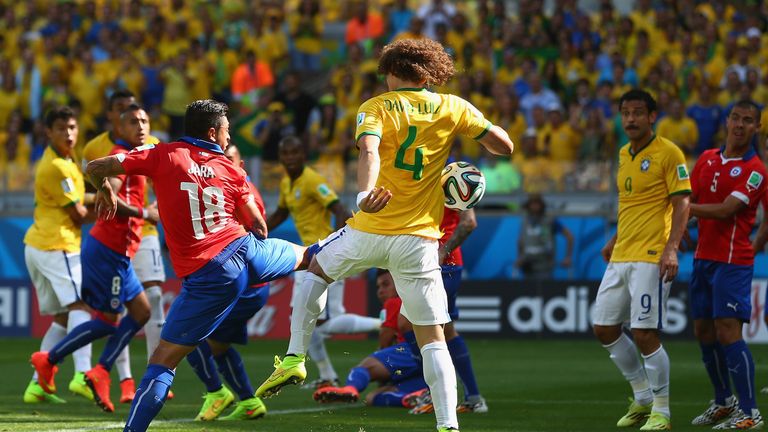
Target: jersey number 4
417,167
215,214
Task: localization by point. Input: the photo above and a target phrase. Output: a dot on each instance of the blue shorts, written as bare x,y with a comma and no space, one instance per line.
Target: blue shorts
108,277
451,282
400,361
411,384
210,294
234,329
721,290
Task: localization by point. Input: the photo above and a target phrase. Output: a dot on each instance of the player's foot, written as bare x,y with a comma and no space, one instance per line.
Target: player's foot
414,398
715,412
79,387
657,421
127,390
346,394
99,382
320,383
249,409
424,406
170,395
474,404
35,394
215,403
290,370
445,429
46,371
636,414
740,421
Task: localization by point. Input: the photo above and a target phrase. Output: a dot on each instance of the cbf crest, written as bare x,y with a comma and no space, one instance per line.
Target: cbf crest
645,164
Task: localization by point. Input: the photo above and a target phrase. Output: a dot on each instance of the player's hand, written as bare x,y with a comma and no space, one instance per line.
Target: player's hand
106,201
686,241
153,215
442,254
607,250
668,265
376,200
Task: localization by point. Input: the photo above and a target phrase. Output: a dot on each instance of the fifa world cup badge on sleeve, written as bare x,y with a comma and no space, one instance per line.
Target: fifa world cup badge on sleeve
682,172
755,179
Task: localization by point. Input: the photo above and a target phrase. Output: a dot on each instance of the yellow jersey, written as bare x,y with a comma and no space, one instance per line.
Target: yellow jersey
683,132
58,184
646,180
417,128
308,199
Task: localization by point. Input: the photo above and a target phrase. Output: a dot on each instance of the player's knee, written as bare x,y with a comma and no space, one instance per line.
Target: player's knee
314,267
647,340
370,397
728,330
607,334
61,319
704,330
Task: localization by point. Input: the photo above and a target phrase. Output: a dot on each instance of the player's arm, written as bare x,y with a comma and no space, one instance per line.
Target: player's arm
78,213
668,265
497,141
758,244
607,250
250,216
124,209
467,224
340,213
387,337
97,173
277,217
568,245
370,198
724,210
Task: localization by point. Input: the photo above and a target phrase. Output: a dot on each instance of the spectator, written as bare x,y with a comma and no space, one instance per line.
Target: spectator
271,130
434,13
153,87
306,30
15,168
30,87
9,97
87,86
399,18
561,139
249,77
224,61
414,31
707,115
679,128
536,242
364,26
501,176
594,142
298,102
537,96
178,93
539,174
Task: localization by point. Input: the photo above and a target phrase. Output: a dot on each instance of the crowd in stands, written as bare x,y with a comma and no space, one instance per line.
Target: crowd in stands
550,77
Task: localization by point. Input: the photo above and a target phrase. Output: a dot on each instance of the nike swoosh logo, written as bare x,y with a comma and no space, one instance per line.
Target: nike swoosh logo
643,318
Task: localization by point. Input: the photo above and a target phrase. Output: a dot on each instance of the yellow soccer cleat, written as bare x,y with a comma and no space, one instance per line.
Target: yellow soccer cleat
215,403
657,421
35,394
636,414
79,387
249,409
290,370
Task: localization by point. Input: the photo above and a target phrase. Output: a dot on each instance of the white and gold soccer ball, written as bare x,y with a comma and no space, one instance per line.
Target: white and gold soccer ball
463,185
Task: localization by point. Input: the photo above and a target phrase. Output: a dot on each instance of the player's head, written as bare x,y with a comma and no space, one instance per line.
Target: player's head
61,129
420,62
207,120
292,155
742,123
535,205
233,153
119,102
134,125
385,285
638,113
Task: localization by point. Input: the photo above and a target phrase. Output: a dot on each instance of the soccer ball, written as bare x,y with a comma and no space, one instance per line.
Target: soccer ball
463,185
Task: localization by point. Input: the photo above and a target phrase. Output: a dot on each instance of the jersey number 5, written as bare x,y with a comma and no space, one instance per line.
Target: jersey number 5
713,186
213,199
418,158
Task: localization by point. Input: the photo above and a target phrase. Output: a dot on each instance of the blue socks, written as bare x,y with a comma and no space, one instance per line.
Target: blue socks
463,363
231,366
359,378
150,398
201,360
742,370
716,364
80,336
388,399
410,338
127,328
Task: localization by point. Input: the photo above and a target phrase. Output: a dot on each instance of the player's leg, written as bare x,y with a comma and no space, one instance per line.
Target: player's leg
217,397
375,367
732,286
148,263
612,308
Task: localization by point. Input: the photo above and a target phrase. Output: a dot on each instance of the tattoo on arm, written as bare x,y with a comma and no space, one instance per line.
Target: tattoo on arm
101,168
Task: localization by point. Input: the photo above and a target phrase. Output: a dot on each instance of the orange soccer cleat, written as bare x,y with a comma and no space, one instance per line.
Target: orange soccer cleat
99,382
127,390
347,394
46,371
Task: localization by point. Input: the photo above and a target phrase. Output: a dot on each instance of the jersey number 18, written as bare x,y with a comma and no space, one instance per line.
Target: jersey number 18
215,214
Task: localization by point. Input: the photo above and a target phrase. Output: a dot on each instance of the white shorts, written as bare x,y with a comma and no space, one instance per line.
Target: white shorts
632,291
148,262
335,303
411,260
57,277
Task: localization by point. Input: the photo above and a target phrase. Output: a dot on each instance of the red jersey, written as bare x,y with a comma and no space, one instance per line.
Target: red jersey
389,316
198,190
122,234
447,227
713,179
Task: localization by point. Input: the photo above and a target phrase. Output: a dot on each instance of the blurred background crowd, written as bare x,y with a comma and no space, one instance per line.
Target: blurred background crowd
550,72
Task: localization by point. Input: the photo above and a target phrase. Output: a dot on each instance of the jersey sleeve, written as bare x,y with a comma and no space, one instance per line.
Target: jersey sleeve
281,199
369,119
470,122
752,189
59,183
695,178
141,160
322,193
391,311
677,178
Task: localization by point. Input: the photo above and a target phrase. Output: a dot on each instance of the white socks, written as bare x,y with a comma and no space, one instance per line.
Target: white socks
441,379
350,323
156,320
81,357
319,355
657,367
55,333
309,303
123,364
624,354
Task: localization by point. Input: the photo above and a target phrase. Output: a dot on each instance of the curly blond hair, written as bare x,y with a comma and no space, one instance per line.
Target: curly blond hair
417,60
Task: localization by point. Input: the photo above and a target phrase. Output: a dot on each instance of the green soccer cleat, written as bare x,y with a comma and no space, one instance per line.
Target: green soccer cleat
290,370
249,409
657,421
446,429
636,414
215,403
35,394
79,387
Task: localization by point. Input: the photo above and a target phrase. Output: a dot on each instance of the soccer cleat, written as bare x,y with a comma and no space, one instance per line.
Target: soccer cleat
635,415
99,382
249,409
657,421
290,370
414,398
35,394
346,394
740,421
170,395
715,412
127,390
447,429
424,405
46,371
215,403
320,383
475,404
79,387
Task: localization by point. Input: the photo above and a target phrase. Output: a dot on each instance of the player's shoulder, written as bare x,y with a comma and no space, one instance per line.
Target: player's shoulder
98,139
667,147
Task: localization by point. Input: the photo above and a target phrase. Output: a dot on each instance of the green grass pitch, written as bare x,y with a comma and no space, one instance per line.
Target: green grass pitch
530,386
